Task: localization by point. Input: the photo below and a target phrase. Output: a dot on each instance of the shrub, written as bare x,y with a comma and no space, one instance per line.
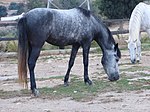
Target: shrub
17,6
13,6
35,4
21,8
115,9
3,11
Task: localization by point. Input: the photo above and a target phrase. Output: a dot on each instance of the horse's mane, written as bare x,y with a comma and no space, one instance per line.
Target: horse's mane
84,11
87,13
111,39
135,21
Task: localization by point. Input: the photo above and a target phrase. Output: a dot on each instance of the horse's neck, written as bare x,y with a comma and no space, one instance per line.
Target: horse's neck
105,40
135,22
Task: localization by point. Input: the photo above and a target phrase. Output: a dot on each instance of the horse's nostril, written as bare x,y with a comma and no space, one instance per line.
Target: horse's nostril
133,61
115,78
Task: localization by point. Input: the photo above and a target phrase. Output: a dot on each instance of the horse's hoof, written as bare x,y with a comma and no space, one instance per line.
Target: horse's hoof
89,82
66,84
36,92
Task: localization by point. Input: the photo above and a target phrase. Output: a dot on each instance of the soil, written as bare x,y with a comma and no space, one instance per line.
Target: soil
47,66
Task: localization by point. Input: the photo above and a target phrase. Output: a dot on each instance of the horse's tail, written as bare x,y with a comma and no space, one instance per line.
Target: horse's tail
22,51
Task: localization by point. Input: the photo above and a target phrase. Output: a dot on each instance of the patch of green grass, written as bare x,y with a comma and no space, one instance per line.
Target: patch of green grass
94,44
124,85
145,39
54,77
12,46
79,91
135,68
145,47
145,43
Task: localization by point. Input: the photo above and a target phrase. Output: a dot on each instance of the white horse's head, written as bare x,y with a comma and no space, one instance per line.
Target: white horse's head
132,50
137,19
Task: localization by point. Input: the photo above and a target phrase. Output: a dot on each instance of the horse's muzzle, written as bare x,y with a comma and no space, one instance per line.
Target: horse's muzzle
114,78
133,61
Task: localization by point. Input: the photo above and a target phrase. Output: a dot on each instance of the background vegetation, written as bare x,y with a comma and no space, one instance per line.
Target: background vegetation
108,9
3,11
116,9
112,9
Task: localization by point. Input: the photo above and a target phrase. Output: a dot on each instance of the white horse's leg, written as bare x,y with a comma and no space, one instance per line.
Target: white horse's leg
139,48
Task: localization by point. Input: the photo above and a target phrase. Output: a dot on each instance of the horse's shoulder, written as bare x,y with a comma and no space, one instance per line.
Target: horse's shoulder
85,12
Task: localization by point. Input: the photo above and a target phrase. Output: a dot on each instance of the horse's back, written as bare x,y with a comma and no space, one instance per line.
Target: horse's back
60,26
145,24
141,12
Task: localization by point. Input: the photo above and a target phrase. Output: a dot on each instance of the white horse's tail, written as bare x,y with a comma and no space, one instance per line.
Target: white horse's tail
135,22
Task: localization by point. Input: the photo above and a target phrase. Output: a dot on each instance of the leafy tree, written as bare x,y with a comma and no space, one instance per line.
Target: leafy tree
3,11
114,9
21,8
67,4
17,6
36,4
70,3
13,6
62,4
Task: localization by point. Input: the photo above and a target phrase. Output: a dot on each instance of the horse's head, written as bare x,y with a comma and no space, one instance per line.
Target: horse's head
110,63
132,50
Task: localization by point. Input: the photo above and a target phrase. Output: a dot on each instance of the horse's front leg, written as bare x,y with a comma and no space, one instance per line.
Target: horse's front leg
139,49
86,62
71,62
139,52
33,55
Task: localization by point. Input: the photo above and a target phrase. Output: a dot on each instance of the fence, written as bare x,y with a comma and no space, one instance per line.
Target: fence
119,22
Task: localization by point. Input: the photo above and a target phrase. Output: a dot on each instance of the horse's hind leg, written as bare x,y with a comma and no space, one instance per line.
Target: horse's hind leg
33,56
71,62
86,49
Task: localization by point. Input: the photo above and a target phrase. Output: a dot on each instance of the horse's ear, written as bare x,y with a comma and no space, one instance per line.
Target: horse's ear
127,41
116,47
118,51
135,40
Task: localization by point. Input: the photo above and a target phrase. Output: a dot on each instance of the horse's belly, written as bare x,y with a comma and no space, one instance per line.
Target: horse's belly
61,41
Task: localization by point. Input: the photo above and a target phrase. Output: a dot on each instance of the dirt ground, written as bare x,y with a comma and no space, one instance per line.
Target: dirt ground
133,101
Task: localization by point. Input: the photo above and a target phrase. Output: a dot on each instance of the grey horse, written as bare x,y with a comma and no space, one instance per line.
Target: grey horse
77,27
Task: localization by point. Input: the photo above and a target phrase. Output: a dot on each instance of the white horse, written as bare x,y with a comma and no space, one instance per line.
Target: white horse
139,20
